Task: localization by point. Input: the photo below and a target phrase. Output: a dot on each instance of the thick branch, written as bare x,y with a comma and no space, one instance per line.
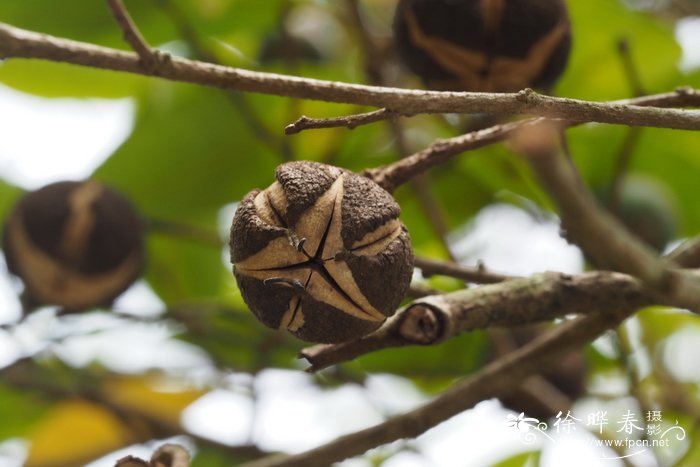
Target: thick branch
603,237
537,298
20,43
496,379
531,299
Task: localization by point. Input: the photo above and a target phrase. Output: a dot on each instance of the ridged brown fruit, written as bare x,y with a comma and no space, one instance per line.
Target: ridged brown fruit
483,45
321,252
77,245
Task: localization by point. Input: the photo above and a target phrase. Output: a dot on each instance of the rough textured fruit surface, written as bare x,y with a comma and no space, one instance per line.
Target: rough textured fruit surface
321,253
483,45
74,244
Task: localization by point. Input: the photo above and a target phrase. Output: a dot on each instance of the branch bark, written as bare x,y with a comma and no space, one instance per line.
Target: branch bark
496,379
437,317
149,57
603,237
478,275
393,175
541,297
21,43
350,121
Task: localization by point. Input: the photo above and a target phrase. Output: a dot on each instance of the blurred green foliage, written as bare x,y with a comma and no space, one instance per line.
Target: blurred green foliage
195,150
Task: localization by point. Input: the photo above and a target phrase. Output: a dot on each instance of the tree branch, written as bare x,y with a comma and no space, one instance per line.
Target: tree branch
495,379
151,58
20,43
349,121
541,297
478,275
604,238
393,175
547,296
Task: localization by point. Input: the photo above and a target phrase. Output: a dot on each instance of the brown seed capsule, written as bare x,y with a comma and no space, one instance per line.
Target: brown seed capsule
321,253
484,45
77,245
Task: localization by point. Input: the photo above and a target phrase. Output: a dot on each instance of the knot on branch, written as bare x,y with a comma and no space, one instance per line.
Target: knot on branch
527,96
421,324
155,61
297,126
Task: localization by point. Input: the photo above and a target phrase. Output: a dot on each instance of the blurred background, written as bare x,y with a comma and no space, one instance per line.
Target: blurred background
181,358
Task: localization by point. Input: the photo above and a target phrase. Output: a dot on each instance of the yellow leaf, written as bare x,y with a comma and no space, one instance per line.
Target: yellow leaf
74,432
151,397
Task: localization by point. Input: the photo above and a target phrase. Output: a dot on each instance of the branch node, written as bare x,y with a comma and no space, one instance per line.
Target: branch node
527,96
150,59
421,324
350,121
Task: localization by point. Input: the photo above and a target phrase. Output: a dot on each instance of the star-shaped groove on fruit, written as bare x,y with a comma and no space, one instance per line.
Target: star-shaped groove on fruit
311,257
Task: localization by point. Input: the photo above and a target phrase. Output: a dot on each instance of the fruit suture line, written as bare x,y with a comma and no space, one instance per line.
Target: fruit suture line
327,207
316,254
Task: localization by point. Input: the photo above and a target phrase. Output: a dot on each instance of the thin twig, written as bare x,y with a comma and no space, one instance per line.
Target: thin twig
149,56
622,165
430,205
682,97
374,62
631,70
478,275
374,67
21,43
624,156
350,121
393,175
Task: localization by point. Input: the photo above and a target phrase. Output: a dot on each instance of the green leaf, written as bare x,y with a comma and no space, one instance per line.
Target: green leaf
456,357
190,154
180,270
83,20
595,69
68,80
19,411
86,20
8,196
660,322
235,339
524,459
